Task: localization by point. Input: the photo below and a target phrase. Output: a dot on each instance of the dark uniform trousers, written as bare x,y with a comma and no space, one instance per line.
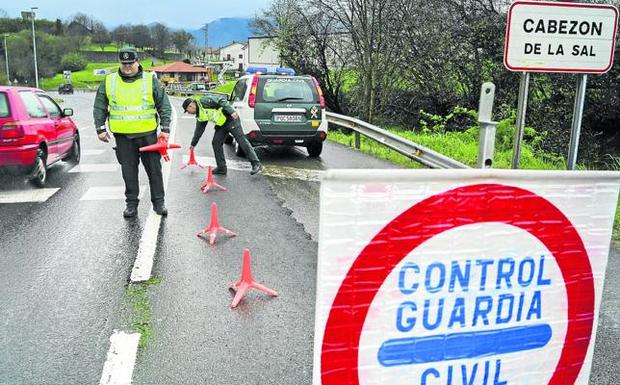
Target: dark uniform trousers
129,155
232,126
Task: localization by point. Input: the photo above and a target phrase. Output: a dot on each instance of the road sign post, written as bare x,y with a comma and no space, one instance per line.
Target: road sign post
451,276
559,37
486,147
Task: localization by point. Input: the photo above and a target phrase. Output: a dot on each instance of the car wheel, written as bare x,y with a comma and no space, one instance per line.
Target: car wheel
39,169
315,149
76,152
238,150
229,139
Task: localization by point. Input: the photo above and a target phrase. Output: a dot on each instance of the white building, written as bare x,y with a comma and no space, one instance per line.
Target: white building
235,52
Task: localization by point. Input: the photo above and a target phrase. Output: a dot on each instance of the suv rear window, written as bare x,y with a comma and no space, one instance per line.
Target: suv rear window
286,89
5,112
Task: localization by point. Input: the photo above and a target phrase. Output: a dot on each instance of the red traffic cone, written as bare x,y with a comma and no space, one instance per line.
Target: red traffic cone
209,182
247,281
162,147
214,227
192,161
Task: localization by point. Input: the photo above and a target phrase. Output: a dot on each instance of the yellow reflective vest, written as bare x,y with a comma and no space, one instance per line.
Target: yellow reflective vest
210,114
131,106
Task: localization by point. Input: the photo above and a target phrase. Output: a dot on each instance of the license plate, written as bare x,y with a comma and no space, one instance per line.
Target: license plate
288,118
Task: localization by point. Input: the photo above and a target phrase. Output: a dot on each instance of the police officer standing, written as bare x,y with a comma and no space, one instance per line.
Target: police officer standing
134,103
217,109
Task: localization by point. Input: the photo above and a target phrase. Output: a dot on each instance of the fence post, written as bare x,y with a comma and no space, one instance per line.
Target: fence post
486,148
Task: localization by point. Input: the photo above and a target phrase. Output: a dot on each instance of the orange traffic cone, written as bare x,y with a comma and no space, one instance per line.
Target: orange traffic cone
162,146
247,281
214,227
192,161
209,182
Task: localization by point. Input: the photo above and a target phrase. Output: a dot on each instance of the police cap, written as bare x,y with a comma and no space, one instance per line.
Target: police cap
127,55
186,103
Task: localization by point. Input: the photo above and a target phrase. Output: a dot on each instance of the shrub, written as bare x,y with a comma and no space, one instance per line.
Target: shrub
73,62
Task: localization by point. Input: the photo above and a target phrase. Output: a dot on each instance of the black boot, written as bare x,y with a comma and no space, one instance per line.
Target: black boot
131,211
160,209
220,170
256,168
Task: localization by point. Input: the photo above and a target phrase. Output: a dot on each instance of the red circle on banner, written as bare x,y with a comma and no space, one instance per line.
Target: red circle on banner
445,211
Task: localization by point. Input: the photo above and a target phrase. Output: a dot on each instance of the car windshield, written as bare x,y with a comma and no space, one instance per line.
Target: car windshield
4,106
292,90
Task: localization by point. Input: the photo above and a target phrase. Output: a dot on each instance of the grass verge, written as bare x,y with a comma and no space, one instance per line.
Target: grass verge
137,297
226,87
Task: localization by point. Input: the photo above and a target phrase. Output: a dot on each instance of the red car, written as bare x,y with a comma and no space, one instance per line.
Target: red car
35,133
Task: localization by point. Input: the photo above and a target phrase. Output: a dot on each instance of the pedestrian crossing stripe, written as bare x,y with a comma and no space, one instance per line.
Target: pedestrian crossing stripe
96,167
27,196
92,152
101,193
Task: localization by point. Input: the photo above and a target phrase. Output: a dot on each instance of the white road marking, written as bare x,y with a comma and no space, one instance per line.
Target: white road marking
92,152
118,368
96,167
143,265
269,170
25,196
102,193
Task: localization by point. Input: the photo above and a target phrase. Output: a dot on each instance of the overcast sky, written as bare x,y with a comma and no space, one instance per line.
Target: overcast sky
187,14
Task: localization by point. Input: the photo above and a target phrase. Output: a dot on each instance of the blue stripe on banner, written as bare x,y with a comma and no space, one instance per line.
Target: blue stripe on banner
457,346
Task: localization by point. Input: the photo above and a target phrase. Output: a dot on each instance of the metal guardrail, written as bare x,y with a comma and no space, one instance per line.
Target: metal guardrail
399,144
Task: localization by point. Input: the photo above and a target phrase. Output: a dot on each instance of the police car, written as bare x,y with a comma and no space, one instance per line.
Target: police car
278,108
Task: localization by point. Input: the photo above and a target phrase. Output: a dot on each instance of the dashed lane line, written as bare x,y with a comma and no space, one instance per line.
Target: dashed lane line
121,358
148,242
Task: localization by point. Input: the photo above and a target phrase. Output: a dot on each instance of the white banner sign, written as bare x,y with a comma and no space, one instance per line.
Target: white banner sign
560,37
460,277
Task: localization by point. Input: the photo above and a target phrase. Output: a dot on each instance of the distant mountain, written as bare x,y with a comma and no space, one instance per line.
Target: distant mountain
223,32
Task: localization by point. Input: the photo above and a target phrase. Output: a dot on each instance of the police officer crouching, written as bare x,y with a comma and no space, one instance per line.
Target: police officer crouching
217,109
134,104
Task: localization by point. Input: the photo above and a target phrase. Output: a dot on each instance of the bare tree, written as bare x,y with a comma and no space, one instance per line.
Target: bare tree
182,40
160,35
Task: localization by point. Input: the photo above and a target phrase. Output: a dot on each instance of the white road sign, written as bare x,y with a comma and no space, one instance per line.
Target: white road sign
460,277
560,37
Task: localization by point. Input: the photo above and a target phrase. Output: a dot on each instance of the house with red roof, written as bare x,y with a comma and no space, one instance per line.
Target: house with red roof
183,72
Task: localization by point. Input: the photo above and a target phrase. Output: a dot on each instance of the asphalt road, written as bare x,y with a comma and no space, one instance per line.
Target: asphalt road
65,265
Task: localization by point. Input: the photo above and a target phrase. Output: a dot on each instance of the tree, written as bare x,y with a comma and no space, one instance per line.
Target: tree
100,35
308,40
160,35
140,36
182,40
121,34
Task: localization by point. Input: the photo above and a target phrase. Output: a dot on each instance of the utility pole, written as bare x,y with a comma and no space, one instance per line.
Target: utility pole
6,58
206,31
31,15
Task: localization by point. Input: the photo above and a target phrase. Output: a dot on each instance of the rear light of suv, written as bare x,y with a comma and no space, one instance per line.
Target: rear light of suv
253,88
11,130
319,91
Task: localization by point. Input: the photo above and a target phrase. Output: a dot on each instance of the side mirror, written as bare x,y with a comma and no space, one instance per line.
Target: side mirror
67,112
